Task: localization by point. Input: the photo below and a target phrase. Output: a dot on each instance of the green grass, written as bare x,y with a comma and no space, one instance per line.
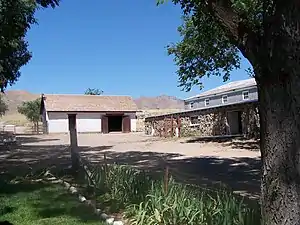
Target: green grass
145,201
31,204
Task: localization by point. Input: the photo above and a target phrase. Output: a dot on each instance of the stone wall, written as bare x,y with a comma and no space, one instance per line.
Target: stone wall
210,122
250,122
140,124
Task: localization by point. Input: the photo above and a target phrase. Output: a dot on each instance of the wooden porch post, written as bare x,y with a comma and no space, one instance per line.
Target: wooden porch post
165,127
178,126
172,130
73,142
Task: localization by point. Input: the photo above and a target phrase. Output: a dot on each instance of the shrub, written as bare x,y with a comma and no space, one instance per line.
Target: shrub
145,200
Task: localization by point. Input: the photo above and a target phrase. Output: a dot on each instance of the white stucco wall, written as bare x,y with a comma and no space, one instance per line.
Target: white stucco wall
58,122
85,122
88,122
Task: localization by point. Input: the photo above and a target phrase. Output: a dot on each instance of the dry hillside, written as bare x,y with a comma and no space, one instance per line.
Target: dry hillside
159,102
15,98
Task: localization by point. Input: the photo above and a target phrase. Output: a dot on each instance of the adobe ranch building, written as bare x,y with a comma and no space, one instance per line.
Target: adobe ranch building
93,113
228,110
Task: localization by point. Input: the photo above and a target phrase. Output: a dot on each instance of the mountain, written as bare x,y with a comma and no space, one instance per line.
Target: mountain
15,98
159,102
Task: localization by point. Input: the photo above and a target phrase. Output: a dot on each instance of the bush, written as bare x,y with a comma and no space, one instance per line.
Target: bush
145,200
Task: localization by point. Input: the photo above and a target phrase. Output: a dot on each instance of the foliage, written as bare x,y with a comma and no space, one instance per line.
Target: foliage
204,50
118,186
3,106
93,91
145,202
214,33
183,205
31,109
16,18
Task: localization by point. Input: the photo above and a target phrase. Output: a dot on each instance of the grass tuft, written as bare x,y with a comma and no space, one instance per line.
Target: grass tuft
146,201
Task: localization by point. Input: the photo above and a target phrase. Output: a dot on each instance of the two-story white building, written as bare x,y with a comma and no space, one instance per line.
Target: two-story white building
230,109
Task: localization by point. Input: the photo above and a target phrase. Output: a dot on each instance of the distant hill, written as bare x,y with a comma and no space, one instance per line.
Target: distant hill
149,105
159,102
16,97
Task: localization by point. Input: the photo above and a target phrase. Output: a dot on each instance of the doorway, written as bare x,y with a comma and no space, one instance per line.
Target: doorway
115,123
234,119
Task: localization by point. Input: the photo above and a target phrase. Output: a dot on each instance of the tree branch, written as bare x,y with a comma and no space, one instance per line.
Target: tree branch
239,32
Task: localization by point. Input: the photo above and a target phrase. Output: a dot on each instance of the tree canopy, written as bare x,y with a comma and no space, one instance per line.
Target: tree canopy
214,33
203,50
3,106
16,18
93,91
31,109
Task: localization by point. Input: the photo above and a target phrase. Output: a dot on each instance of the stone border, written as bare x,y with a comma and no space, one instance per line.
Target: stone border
73,190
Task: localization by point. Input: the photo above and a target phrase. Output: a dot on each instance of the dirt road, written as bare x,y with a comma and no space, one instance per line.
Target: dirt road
235,163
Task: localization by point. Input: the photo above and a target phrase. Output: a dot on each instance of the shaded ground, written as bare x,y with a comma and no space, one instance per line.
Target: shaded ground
31,204
235,163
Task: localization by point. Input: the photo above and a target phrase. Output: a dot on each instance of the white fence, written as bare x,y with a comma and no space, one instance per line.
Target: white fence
8,129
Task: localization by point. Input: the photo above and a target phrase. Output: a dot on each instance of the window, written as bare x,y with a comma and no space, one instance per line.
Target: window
192,105
245,95
224,99
194,120
206,102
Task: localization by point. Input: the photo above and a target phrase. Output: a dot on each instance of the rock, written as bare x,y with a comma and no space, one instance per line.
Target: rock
118,223
104,216
82,198
67,185
110,220
97,211
73,190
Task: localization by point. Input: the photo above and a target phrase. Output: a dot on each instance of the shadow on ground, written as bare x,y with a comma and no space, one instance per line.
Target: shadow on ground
230,141
240,174
33,139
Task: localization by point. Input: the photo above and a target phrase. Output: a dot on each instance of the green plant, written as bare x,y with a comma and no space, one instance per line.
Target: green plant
148,201
122,185
182,205
31,109
93,91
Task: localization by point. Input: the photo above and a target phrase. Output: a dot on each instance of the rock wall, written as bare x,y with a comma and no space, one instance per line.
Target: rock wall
141,126
250,122
212,123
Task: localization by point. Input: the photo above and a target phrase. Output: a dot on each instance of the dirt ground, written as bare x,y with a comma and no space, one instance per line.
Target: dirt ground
202,161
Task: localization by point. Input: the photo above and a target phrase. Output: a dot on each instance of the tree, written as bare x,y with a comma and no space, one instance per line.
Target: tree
31,109
3,106
266,32
93,91
16,17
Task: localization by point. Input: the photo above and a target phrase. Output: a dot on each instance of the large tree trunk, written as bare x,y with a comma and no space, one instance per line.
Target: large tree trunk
277,68
280,147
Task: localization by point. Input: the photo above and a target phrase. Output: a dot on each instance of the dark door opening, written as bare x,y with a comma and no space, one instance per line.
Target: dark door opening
115,123
234,119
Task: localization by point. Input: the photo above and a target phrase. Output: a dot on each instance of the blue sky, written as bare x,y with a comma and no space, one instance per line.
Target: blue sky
116,46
